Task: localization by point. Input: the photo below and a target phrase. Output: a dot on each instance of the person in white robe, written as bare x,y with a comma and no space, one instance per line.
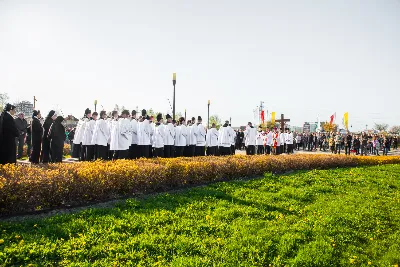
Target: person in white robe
260,141
250,134
289,141
169,138
233,135
133,149
282,137
144,135
192,138
125,135
268,137
80,152
212,140
114,135
88,136
200,137
158,137
224,139
101,134
180,137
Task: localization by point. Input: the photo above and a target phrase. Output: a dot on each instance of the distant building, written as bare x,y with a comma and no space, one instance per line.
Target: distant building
25,107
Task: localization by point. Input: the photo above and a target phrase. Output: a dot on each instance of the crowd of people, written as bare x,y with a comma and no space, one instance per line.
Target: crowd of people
130,136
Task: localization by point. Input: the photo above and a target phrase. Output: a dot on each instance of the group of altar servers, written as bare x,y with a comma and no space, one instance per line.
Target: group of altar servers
127,137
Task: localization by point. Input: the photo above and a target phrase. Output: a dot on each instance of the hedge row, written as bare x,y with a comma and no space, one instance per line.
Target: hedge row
26,188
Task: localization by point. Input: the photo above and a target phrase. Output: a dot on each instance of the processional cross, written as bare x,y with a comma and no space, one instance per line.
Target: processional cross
282,121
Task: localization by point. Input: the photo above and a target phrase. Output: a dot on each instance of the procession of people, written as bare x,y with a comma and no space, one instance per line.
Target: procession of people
131,136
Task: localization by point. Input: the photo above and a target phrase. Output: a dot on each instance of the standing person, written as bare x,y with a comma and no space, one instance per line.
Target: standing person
169,138
282,138
268,138
8,133
332,143
125,136
144,135
28,141
200,137
101,134
90,153
71,137
357,145
180,137
114,135
192,138
79,130
46,153
56,135
289,141
348,143
250,134
37,135
377,145
386,146
22,126
224,139
133,149
310,141
338,143
364,144
260,141
213,140
298,141
158,137
233,135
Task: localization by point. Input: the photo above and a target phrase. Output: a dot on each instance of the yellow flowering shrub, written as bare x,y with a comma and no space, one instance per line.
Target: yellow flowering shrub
25,188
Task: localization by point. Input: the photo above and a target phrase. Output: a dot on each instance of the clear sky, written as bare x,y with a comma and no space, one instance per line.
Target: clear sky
303,58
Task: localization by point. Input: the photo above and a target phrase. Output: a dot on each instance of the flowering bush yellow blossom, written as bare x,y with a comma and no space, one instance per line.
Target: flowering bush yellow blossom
26,188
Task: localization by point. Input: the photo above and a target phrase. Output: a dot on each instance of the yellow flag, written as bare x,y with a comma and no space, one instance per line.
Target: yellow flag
346,120
273,118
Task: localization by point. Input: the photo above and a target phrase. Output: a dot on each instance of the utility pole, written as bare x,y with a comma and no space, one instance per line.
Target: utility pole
173,103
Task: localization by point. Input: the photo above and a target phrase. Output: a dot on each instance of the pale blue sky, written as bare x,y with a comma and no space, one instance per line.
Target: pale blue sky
302,58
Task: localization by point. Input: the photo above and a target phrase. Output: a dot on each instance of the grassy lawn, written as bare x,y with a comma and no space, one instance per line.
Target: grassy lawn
341,217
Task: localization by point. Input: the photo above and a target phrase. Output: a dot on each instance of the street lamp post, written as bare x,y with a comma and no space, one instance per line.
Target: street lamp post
173,104
208,115
95,105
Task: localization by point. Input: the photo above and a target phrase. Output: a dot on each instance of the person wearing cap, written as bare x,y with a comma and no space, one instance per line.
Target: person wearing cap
192,138
8,133
200,133
158,137
250,135
101,134
224,139
169,138
133,149
37,135
180,137
88,145
46,152
22,125
56,135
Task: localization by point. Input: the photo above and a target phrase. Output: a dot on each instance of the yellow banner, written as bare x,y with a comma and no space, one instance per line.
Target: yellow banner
273,118
346,120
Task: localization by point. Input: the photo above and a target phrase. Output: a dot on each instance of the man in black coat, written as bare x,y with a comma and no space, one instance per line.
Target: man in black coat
56,135
8,133
22,125
46,152
37,135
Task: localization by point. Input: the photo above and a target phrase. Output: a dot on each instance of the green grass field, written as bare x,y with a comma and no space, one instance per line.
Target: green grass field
341,217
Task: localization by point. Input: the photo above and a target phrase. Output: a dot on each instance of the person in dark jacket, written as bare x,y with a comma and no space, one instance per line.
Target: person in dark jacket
37,135
56,135
349,139
8,133
21,124
28,140
46,153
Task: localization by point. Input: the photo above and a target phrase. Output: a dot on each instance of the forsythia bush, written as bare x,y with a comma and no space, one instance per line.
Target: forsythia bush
26,188
66,150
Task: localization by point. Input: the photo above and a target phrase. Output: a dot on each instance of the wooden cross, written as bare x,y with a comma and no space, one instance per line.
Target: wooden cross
282,121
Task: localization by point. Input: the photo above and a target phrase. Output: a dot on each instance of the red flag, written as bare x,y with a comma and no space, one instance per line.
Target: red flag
332,118
262,116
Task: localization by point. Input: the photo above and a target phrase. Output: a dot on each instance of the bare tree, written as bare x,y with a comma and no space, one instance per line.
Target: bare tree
381,126
395,129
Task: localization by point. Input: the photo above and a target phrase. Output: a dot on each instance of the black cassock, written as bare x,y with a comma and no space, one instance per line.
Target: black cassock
9,131
57,139
37,134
